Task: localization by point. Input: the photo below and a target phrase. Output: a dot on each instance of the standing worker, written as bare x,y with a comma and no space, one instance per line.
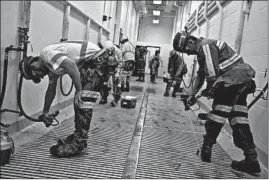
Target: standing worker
128,56
141,63
111,74
229,81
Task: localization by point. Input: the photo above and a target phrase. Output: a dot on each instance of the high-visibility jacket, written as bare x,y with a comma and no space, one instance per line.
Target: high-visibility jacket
78,51
128,51
220,63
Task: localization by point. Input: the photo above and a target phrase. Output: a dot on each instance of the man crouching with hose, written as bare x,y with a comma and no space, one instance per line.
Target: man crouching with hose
176,69
75,58
229,81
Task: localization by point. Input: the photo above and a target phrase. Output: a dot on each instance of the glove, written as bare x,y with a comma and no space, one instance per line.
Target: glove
192,100
47,120
174,83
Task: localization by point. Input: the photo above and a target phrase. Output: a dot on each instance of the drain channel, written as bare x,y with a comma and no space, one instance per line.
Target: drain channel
129,171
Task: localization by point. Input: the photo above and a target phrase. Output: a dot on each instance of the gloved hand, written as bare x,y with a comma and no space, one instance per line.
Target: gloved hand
191,100
46,119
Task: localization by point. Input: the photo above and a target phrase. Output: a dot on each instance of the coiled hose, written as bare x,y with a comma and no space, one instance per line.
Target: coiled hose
19,101
61,87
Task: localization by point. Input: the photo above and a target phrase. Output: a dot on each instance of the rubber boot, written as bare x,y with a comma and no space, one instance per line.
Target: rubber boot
243,139
75,143
206,150
250,164
166,94
104,94
212,132
127,89
174,94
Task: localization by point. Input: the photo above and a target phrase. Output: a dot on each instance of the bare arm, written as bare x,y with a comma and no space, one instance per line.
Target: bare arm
50,94
72,70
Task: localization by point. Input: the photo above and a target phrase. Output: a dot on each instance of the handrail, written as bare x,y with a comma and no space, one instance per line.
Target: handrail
84,14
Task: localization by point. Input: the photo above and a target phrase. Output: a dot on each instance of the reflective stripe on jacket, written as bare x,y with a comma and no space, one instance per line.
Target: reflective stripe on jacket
128,51
219,62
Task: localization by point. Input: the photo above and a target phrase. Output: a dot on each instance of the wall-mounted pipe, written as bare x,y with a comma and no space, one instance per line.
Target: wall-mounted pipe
207,20
65,28
240,28
221,19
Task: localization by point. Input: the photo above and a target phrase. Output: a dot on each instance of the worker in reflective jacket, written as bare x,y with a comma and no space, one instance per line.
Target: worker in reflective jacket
111,73
77,59
128,56
229,81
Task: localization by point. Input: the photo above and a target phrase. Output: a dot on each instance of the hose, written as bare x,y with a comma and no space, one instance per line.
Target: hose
19,101
3,91
259,96
61,87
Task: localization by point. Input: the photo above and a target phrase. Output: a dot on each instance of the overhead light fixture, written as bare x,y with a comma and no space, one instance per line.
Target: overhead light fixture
157,2
156,13
155,21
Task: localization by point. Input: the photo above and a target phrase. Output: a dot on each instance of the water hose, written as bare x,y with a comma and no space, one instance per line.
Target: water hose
19,101
61,87
259,96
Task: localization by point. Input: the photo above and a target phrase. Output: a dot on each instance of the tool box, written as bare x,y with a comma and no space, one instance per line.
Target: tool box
128,102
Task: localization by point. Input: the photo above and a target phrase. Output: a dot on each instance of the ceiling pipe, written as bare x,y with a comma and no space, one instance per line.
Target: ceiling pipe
169,6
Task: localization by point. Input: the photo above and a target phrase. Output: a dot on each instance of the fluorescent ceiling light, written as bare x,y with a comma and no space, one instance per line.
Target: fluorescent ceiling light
157,2
155,21
156,13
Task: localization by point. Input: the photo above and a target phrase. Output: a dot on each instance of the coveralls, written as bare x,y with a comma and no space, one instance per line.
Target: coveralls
141,64
128,56
175,69
154,63
230,80
111,79
78,51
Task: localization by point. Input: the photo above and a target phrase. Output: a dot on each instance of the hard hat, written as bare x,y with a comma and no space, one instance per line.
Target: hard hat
108,45
25,69
173,53
180,41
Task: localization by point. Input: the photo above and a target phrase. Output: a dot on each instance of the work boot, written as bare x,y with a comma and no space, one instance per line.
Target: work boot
166,94
206,150
249,165
127,89
76,142
113,103
69,139
103,101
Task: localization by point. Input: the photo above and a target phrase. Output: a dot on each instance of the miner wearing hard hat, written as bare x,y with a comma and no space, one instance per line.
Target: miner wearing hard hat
78,59
229,81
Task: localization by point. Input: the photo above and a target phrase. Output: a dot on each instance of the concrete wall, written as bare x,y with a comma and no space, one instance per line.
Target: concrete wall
46,21
254,50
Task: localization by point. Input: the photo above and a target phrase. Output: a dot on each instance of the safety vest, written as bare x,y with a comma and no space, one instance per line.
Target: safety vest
128,52
222,63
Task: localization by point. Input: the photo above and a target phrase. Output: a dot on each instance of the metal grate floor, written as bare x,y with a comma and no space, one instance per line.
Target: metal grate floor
167,149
